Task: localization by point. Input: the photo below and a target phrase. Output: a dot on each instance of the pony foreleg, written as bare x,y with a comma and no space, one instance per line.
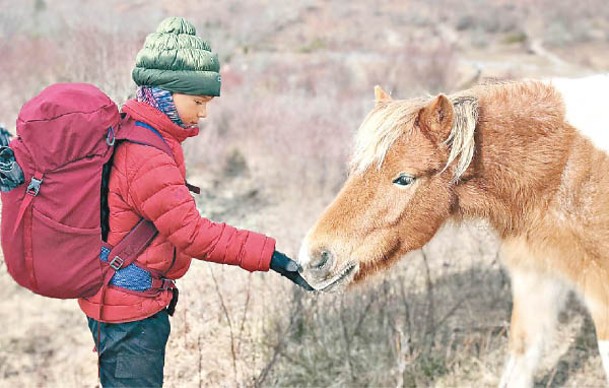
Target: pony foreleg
537,300
603,347
595,291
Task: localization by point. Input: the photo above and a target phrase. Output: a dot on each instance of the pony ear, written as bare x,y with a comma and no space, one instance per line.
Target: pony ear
437,118
380,95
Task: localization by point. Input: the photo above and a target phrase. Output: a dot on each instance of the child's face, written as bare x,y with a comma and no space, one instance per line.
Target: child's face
191,108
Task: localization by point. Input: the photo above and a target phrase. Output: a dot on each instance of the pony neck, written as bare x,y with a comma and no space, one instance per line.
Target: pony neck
522,147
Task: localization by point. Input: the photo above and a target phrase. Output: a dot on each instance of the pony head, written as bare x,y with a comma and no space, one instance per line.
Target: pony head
408,155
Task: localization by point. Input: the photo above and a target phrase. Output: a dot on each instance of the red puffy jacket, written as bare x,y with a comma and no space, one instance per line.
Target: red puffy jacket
147,182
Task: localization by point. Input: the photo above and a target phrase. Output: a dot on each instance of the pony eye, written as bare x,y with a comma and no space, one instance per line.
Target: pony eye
403,180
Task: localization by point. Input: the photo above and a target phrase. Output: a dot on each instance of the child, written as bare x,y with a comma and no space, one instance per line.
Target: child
177,75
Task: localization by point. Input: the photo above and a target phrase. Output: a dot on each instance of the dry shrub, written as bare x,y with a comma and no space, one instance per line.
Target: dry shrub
107,63
104,59
290,119
406,327
440,317
285,140
417,68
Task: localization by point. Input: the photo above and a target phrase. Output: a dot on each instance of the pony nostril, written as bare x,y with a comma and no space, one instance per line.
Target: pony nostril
324,257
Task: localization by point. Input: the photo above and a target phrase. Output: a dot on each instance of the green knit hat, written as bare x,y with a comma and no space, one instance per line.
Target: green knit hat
174,58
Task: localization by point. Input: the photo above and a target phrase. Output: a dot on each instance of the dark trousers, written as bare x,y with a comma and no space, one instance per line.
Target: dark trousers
132,354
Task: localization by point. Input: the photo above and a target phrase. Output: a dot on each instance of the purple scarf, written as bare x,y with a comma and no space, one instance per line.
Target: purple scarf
160,99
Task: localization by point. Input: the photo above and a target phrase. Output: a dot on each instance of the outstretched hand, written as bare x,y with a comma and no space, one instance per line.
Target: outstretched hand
289,268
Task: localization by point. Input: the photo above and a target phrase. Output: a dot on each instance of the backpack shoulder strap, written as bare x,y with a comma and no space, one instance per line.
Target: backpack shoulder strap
142,133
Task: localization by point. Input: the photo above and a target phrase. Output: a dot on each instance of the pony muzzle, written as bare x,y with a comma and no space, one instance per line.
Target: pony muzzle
323,271
325,260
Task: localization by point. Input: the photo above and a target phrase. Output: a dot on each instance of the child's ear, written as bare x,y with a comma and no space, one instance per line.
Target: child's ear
380,95
436,119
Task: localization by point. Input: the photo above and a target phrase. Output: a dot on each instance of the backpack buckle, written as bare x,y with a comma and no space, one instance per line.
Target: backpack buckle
111,137
167,284
34,187
116,263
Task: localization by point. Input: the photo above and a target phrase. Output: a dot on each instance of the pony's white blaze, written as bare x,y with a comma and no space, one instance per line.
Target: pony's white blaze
586,105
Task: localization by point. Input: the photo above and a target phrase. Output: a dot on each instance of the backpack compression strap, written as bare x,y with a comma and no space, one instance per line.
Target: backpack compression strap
126,251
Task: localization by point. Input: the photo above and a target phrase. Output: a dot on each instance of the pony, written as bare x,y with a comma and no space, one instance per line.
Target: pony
529,156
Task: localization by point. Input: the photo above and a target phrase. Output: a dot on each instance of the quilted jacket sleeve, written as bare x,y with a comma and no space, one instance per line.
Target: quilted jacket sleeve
158,193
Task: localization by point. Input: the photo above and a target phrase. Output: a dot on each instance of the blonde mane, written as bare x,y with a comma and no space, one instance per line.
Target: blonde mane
386,123
461,138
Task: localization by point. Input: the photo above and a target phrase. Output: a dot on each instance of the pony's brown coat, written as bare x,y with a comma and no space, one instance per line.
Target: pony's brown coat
540,184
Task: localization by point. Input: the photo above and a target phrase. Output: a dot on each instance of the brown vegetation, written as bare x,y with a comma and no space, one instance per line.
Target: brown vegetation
298,79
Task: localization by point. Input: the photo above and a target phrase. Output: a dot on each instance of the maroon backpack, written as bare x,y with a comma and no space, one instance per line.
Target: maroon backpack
52,226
